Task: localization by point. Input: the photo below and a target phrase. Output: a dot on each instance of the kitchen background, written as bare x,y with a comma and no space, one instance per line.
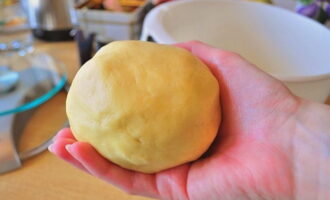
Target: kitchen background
43,43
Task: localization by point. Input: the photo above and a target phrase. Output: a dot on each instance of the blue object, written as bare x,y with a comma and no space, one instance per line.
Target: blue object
38,101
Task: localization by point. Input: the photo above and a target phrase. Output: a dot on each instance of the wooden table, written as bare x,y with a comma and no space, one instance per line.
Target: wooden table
45,177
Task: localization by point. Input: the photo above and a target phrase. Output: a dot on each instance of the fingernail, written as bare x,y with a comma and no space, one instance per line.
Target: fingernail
50,148
68,147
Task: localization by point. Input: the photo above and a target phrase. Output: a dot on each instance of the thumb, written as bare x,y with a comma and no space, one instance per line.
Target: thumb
229,68
242,85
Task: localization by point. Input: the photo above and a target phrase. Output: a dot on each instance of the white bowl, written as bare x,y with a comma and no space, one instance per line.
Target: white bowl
290,47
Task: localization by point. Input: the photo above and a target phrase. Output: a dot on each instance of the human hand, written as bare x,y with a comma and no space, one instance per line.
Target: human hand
251,158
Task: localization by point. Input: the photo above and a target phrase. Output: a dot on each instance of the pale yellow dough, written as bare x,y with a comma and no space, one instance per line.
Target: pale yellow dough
145,106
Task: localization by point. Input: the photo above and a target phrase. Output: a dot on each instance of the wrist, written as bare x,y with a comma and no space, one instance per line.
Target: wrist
311,151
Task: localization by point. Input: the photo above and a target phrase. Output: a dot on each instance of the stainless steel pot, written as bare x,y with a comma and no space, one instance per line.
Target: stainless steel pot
51,19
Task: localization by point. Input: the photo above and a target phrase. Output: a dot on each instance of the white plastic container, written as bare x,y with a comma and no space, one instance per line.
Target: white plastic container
109,25
290,47
286,4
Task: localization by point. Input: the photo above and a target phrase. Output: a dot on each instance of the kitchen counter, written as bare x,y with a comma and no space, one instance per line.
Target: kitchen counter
45,177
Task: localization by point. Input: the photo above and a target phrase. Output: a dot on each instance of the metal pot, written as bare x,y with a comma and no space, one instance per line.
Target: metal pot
51,20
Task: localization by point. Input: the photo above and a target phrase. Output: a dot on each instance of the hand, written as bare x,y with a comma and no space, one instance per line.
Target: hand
253,156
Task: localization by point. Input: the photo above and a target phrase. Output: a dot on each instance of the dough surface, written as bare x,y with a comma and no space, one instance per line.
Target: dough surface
145,106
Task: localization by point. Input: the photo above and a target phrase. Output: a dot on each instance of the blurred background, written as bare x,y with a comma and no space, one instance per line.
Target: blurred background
44,42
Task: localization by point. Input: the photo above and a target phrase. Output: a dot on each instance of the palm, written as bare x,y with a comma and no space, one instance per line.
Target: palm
248,158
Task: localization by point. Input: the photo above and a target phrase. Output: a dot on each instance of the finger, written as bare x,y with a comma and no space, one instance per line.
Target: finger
230,68
247,95
221,62
241,83
132,182
172,183
64,133
59,149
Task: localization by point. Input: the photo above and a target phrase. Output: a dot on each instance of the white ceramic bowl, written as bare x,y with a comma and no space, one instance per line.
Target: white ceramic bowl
290,47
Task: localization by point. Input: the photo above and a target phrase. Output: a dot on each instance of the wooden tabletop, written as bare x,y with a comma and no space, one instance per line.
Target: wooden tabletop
45,177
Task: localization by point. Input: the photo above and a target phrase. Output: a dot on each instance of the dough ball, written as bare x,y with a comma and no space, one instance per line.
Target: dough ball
145,106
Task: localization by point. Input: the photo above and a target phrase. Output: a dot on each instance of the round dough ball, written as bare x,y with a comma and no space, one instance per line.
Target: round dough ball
145,106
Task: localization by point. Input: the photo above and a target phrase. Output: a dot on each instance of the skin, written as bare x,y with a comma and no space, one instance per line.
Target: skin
270,145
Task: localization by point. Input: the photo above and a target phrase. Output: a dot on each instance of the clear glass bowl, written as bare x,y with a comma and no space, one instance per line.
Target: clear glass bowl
27,79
